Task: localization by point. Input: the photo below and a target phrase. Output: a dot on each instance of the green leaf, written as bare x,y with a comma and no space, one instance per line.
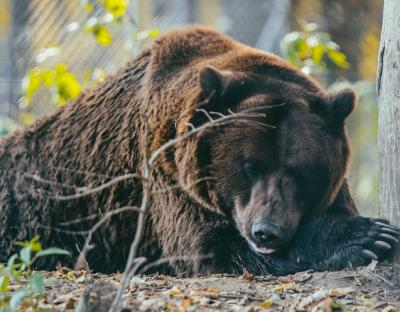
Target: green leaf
52,252
338,58
116,7
11,263
25,254
36,283
17,298
4,282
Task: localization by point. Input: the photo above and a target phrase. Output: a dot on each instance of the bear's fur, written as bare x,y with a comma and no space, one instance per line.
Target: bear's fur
285,166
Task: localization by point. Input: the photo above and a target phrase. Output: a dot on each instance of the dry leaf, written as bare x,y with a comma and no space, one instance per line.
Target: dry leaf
185,303
266,303
247,275
312,299
285,286
340,292
174,292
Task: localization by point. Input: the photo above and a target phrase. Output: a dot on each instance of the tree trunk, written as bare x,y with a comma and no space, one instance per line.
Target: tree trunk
388,87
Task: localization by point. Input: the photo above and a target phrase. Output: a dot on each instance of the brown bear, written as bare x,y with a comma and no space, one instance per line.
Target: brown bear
265,191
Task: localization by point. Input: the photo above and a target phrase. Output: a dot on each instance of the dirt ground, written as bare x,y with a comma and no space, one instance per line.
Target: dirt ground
373,288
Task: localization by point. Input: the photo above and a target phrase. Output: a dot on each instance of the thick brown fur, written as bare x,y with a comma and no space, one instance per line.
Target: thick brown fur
107,131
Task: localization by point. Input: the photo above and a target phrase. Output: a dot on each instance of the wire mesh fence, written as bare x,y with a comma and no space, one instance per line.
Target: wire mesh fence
37,24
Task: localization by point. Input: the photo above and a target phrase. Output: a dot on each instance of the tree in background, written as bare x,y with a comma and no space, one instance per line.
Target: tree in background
388,87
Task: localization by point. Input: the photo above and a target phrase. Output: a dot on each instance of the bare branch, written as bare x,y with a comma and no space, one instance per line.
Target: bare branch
76,221
202,110
138,233
85,191
38,179
212,123
87,173
95,227
86,247
177,186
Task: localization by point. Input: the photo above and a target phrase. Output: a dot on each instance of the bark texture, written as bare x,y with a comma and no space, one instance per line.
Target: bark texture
388,87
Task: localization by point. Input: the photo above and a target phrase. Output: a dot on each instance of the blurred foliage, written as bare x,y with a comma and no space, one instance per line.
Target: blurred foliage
7,125
63,84
57,78
20,287
312,51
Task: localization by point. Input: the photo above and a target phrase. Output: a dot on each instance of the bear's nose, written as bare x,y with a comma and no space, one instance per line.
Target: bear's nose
267,234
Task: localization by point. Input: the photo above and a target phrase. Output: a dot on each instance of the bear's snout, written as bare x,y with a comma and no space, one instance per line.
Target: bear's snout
267,236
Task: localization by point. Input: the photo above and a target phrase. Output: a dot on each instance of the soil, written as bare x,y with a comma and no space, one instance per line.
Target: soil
372,288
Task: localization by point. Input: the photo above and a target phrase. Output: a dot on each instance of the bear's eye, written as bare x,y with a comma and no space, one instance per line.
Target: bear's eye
297,173
253,170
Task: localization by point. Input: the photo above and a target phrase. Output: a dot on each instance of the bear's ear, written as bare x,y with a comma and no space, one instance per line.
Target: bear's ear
342,104
212,82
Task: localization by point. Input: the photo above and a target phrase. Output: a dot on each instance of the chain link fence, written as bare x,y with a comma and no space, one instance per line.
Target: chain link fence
33,25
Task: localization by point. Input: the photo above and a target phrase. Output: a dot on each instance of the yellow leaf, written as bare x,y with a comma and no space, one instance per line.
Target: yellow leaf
213,293
285,286
317,53
31,83
61,68
88,7
174,292
102,34
68,87
48,77
26,118
339,292
153,33
390,309
338,58
116,7
185,303
266,303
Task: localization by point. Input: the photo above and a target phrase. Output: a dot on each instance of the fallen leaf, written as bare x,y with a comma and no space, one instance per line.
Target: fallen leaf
285,286
174,292
340,292
316,297
266,303
185,303
247,275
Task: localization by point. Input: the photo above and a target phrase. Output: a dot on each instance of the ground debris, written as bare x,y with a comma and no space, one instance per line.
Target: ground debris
347,290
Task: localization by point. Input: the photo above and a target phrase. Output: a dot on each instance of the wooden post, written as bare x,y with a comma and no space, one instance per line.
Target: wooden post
388,87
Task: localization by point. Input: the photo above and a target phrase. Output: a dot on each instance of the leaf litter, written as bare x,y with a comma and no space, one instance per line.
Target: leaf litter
372,288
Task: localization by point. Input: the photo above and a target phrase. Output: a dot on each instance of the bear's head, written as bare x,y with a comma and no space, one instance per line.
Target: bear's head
282,156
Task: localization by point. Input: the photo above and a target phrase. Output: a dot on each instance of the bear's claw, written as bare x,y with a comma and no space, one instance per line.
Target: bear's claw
369,254
369,239
389,237
383,244
384,237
